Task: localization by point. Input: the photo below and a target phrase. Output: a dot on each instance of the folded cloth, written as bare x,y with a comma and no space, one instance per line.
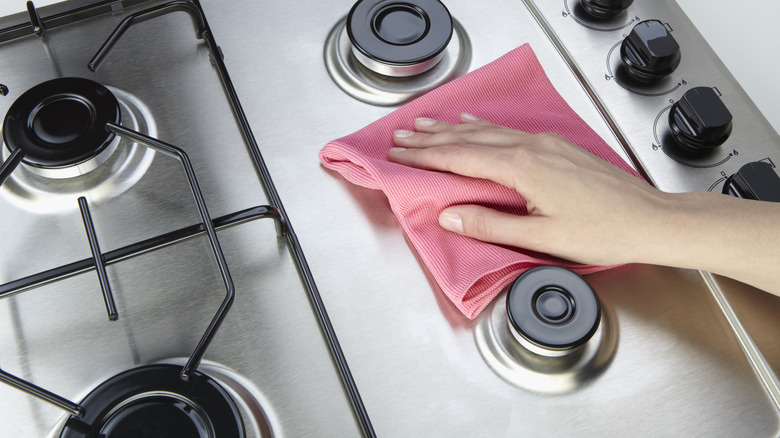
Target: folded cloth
512,91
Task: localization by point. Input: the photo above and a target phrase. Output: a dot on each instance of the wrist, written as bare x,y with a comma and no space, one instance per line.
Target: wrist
679,229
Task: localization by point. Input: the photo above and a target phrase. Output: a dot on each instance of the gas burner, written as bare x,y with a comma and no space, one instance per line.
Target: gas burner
154,401
399,39
30,190
550,340
552,311
60,126
387,53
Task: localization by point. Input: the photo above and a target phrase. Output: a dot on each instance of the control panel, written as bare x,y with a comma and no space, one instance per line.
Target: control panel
672,104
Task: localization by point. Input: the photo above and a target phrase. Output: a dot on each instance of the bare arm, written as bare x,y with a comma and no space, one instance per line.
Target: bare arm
587,210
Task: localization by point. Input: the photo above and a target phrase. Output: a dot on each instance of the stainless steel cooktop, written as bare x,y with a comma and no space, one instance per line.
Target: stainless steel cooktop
680,353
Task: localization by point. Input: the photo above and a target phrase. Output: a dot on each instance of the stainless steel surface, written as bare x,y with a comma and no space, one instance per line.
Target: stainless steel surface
677,367
58,336
677,370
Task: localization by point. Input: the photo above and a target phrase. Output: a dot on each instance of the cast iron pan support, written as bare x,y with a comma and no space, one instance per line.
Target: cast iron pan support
99,262
203,32
173,151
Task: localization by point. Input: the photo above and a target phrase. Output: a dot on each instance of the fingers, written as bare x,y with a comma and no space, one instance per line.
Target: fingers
494,164
467,121
473,130
475,148
495,227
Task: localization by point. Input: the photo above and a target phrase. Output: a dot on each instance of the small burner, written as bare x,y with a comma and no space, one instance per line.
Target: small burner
399,38
61,124
153,401
552,311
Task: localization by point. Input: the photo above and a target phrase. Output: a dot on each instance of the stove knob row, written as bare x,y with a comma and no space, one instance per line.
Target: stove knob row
699,121
604,9
650,52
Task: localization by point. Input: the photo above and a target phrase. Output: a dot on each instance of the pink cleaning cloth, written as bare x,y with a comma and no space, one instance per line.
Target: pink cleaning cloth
512,91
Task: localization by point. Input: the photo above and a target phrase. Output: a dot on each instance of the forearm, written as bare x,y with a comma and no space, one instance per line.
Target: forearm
728,236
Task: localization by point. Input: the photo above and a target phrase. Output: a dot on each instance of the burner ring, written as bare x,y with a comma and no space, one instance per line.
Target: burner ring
154,399
399,38
61,123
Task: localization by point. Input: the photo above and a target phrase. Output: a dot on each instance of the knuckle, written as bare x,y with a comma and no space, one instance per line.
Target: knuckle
477,225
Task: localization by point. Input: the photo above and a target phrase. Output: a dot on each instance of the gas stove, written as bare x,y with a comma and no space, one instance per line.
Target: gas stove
201,244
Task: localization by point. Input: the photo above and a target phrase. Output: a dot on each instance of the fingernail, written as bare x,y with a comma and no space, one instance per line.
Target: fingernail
424,122
402,133
451,221
392,151
469,117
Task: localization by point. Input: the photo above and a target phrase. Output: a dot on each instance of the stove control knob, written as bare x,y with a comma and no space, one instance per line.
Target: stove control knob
604,9
552,311
650,52
755,180
700,121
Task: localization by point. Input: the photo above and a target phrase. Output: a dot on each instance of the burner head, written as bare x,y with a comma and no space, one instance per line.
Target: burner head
154,401
399,38
552,311
61,123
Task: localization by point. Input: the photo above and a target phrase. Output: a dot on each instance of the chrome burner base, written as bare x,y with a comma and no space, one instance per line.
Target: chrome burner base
543,374
376,89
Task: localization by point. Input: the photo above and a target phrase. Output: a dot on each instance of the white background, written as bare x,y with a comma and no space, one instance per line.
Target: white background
745,34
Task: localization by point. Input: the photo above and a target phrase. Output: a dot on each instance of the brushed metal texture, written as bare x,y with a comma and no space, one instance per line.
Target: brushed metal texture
677,368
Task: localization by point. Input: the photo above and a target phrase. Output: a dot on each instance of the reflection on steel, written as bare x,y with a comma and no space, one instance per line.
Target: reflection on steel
97,257
135,249
10,164
41,393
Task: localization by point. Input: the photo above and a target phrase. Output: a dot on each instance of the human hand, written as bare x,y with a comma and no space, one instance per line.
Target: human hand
581,207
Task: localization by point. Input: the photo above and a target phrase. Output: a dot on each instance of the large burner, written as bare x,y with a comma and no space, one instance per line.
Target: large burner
154,401
60,125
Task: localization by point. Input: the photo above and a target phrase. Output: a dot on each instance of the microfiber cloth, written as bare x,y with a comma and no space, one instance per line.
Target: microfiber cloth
511,91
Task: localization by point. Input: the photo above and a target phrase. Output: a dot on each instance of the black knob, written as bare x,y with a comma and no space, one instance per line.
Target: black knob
700,121
552,311
605,8
755,180
650,52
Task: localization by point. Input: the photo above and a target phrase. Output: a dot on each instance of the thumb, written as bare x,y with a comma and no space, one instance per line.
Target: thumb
493,226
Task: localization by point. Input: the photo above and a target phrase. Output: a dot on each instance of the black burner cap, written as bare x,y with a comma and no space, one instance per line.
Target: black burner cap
399,32
153,401
553,308
61,122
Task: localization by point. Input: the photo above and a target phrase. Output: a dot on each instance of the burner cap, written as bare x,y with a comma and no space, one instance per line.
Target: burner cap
399,38
61,122
552,310
153,401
